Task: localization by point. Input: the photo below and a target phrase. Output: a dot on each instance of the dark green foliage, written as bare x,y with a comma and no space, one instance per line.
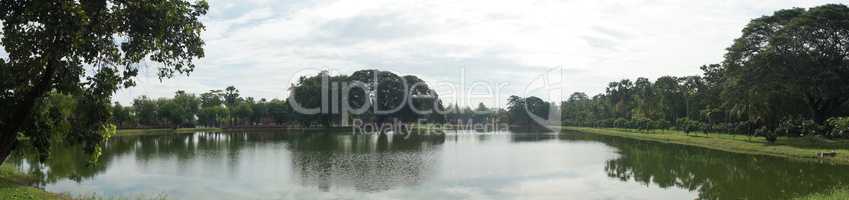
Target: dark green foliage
687,125
209,110
785,76
86,49
373,96
798,126
839,127
527,112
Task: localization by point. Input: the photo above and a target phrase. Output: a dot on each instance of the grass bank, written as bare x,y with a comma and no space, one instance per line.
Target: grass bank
130,132
15,186
837,194
805,148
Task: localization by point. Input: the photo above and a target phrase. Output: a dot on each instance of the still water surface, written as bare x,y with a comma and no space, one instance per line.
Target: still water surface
458,165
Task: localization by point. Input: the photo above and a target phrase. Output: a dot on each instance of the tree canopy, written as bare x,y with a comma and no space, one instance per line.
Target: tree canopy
787,74
87,49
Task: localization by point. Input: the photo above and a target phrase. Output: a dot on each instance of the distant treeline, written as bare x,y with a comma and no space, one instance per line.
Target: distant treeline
385,91
787,75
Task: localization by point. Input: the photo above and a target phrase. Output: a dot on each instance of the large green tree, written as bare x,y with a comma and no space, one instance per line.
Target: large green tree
524,111
793,57
87,48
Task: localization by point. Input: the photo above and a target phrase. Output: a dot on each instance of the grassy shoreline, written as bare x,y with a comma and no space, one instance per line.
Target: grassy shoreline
794,148
14,185
835,194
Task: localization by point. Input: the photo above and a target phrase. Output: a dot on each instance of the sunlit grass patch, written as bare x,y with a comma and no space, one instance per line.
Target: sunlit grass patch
797,148
836,194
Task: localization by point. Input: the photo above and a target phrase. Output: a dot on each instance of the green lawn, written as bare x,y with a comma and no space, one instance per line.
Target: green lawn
797,148
837,194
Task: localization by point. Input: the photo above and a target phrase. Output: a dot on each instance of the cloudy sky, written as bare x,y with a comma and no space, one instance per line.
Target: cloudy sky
259,46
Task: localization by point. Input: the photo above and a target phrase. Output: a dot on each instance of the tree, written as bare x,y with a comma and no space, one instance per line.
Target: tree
146,110
49,43
576,109
481,113
420,99
212,115
692,88
786,73
315,92
386,90
121,115
669,97
524,110
170,112
260,111
242,113
231,99
645,99
793,57
620,96
212,98
212,108
187,107
279,111
231,96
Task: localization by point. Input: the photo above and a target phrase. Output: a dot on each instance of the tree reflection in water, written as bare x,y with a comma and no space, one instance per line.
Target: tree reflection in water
373,162
715,174
320,161
364,162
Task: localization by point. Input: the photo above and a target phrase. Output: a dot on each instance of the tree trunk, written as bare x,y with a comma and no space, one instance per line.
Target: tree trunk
23,113
8,142
819,116
822,111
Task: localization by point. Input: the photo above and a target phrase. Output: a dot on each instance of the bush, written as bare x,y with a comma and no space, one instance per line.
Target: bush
620,123
722,128
687,125
606,123
642,124
743,128
659,124
707,128
839,127
770,135
797,126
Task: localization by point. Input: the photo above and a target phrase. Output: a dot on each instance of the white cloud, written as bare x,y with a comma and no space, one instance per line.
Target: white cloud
258,45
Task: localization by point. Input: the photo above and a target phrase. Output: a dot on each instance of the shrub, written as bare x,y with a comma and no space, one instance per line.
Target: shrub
687,125
607,123
770,135
797,126
722,128
839,127
706,127
743,128
620,123
642,124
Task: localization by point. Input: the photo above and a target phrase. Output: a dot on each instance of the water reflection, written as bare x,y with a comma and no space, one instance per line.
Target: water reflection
715,174
500,165
364,162
368,163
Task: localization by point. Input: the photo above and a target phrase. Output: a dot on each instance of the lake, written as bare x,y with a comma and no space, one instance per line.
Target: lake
457,165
